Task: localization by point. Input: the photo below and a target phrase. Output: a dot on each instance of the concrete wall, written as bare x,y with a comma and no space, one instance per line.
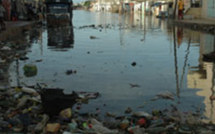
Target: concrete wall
208,9
195,12
211,9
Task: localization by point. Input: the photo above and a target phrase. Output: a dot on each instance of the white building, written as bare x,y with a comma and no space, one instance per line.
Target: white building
105,5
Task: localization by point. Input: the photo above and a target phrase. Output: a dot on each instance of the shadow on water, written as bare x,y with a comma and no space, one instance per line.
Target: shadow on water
60,39
54,100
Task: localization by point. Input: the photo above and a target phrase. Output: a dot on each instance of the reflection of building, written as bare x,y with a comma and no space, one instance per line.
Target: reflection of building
106,5
209,43
60,38
203,77
10,68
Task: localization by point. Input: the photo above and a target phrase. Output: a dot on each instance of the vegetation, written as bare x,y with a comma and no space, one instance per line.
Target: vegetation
87,4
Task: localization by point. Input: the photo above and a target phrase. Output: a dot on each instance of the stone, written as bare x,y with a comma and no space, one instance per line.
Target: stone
73,125
156,130
66,113
99,128
142,114
6,48
124,124
53,127
41,125
29,91
128,110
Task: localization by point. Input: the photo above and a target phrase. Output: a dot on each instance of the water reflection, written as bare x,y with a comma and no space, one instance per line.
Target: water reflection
138,21
153,44
177,40
18,44
139,24
179,35
22,43
60,39
176,64
202,76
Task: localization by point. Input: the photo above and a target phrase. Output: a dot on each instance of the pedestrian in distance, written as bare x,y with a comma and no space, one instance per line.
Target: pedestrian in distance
180,9
2,11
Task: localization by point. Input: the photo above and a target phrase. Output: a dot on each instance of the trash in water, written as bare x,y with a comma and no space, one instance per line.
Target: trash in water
68,72
66,113
166,95
134,85
30,70
93,37
133,64
54,100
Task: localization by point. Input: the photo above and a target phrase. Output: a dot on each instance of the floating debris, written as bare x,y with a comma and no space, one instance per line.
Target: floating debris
93,37
134,85
166,95
23,58
30,70
133,64
68,72
40,60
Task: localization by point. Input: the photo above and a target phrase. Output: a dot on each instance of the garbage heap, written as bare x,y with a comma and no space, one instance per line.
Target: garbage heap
22,111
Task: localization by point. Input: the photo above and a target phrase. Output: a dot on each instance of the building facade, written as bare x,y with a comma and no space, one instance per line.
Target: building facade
208,9
200,8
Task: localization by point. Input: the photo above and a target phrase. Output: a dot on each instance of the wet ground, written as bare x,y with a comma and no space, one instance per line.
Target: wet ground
128,59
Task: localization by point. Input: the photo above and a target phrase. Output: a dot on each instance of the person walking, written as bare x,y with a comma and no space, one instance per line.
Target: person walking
180,9
2,11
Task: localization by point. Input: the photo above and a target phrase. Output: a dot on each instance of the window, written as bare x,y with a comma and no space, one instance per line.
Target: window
196,3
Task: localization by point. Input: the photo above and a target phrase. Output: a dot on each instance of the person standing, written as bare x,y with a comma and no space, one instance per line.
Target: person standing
2,11
13,11
7,5
180,9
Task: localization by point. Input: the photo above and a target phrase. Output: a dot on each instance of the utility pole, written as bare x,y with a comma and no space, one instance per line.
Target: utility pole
174,14
121,6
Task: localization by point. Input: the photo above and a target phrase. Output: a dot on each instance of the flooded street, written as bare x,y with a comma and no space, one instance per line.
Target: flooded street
128,59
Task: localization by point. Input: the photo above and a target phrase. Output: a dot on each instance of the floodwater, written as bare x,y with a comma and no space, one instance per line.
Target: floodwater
165,59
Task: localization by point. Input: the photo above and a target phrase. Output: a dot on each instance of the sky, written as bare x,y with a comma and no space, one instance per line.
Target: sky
78,1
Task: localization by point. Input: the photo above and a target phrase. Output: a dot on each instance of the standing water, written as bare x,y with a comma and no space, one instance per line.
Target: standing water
128,59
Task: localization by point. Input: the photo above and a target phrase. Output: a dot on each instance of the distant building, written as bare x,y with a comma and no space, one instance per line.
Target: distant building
193,8
106,5
200,9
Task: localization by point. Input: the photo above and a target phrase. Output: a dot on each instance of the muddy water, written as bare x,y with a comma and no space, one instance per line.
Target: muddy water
102,56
